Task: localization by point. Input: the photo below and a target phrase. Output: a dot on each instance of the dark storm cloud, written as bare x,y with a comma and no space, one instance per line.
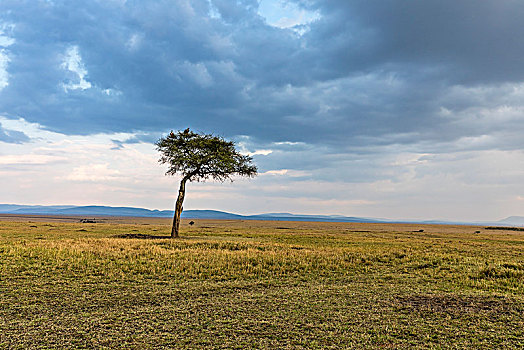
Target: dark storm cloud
366,74
473,41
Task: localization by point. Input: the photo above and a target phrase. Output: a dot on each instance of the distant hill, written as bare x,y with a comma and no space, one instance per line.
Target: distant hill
97,210
295,217
81,210
513,221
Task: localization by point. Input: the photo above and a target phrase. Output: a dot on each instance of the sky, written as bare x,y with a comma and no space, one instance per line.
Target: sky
391,109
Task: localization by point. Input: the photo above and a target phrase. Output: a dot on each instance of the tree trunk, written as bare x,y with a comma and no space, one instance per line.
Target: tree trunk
178,208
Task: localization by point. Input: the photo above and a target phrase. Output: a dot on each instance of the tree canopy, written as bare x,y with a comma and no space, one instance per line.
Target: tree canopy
199,157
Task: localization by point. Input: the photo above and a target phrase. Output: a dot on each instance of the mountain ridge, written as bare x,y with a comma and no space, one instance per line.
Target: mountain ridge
100,210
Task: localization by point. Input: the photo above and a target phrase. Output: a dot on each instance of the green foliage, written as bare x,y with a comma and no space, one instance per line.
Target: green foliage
202,156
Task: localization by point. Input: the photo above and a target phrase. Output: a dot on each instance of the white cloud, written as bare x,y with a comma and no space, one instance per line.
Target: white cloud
245,144
55,168
112,92
4,75
135,42
213,11
262,152
93,173
285,13
287,172
29,159
73,62
5,41
276,172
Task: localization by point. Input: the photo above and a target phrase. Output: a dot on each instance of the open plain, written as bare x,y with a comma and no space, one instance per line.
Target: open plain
122,283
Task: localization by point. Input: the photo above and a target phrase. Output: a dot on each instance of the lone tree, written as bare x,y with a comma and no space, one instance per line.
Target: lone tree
198,157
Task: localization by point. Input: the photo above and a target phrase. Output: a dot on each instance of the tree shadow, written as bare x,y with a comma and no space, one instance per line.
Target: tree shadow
141,236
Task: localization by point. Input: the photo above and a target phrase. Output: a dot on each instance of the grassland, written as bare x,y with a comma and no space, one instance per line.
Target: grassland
121,283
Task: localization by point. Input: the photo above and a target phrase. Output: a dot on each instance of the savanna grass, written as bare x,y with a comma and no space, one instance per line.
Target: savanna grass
234,284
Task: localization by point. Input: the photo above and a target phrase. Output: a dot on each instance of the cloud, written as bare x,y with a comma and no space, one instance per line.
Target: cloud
286,14
363,73
286,172
5,41
4,76
362,77
351,92
12,136
29,159
94,173
73,63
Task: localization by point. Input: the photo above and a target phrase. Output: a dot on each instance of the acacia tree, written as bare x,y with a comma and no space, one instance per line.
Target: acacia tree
198,157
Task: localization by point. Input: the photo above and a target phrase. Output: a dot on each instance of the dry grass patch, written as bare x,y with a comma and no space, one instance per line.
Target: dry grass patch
234,284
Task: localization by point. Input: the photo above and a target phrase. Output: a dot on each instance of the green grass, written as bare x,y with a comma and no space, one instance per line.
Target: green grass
234,284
